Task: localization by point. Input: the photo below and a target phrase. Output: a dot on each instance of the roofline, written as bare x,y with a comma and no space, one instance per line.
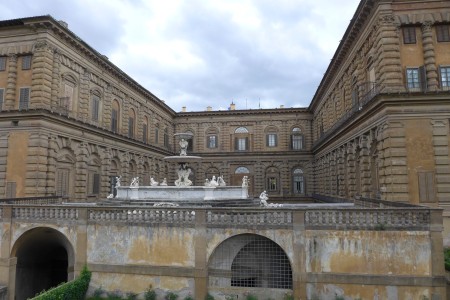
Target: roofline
98,55
245,111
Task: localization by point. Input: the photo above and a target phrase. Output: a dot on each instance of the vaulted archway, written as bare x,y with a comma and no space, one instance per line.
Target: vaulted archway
44,258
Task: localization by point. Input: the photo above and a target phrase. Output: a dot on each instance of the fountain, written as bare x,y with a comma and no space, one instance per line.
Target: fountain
214,192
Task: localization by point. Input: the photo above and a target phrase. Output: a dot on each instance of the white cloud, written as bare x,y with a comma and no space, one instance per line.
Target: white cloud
199,53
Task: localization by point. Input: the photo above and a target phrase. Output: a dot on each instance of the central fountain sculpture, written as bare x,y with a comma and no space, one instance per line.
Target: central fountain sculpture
214,192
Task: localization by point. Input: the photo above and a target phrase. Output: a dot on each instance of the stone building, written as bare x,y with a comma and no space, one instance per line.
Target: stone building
377,127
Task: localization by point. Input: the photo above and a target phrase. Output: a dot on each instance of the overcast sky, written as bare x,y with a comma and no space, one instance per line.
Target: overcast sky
256,53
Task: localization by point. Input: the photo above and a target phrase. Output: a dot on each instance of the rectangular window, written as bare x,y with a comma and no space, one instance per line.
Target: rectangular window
10,189
272,184
26,62
443,33
409,35
166,140
2,63
130,127
212,141
297,142
445,77
427,191
412,79
24,98
271,140
114,123
241,144
62,182
112,185
2,98
156,136
94,183
95,107
144,133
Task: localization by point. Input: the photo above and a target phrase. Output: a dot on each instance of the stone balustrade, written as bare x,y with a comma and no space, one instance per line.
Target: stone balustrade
339,218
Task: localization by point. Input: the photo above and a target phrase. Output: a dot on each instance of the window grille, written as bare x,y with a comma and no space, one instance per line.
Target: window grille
250,261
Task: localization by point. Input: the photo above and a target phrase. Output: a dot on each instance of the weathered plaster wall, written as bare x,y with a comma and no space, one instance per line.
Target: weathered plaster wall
160,246
368,252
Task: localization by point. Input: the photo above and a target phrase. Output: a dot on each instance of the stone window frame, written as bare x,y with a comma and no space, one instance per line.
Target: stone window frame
444,73
241,139
301,181
297,133
96,105
131,123
442,33
116,116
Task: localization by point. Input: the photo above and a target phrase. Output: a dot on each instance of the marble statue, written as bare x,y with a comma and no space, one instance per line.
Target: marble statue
206,182
183,176
263,197
135,182
244,181
220,181
110,196
164,182
153,182
118,178
183,146
213,182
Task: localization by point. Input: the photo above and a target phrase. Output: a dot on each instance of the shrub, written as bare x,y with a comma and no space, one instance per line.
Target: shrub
209,297
251,297
150,294
73,290
171,296
131,296
288,297
115,295
188,297
447,259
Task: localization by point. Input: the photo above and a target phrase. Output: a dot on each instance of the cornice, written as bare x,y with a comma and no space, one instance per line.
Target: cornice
247,112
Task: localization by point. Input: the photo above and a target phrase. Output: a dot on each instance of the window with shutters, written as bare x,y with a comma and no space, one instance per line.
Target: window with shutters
130,127
95,107
10,189
409,35
298,182
115,116
94,183
2,63
445,77
62,182
296,139
26,62
24,98
2,98
443,33
427,191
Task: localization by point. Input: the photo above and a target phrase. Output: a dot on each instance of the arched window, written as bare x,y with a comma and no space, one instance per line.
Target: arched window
69,85
298,181
241,170
131,123
297,140
95,106
166,137
272,179
241,139
115,116
94,177
145,130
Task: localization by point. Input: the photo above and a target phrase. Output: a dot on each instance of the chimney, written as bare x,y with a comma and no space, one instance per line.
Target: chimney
209,108
232,106
183,109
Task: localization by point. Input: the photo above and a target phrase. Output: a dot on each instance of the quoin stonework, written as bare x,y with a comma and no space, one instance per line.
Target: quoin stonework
374,141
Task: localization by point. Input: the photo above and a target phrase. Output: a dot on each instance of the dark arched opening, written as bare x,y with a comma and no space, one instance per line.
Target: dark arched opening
42,261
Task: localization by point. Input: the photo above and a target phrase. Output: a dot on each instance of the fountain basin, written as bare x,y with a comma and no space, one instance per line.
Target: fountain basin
185,194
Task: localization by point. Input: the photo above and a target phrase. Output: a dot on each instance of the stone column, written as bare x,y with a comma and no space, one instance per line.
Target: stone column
56,77
201,263
83,103
42,77
125,112
429,56
351,163
380,137
10,97
364,161
388,47
441,160
340,174
36,167
81,171
107,107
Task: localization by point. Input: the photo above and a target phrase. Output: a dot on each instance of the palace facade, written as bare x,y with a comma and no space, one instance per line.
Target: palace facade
377,127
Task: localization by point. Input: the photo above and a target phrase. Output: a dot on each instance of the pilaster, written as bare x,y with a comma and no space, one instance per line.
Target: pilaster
441,159
42,77
10,97
36,166
429,56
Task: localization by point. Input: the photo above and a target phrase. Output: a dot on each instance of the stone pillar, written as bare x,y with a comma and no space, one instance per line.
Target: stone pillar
125,113
388,47
107,107
299,275
351,163
380,137
56,77
10,97
83,103
340,174
140,113
364,160
41,78
81,171
441,160
105,172
36,167
51,165
429,56
3,160
201,263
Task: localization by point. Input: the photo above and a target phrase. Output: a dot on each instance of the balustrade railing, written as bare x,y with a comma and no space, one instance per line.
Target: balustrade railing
338,218
45,200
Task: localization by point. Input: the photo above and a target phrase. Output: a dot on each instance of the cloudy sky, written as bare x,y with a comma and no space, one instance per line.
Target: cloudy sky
256,53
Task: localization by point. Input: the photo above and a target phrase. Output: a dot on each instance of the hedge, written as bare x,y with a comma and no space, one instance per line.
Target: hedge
73,290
